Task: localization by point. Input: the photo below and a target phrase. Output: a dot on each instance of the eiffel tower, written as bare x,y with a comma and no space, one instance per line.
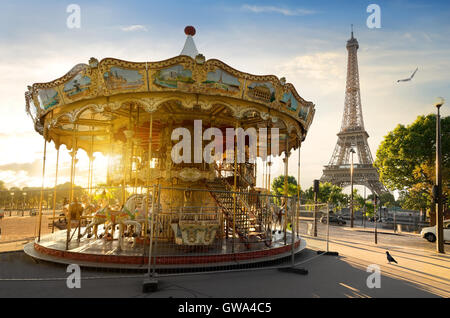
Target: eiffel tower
352,136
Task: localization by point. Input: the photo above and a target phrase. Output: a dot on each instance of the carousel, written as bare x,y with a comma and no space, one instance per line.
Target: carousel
160,203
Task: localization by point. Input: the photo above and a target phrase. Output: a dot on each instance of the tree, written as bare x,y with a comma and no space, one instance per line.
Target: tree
328,193
406,160
278,186
386,199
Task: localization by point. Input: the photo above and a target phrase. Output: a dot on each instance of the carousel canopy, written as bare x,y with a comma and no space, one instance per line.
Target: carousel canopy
91,97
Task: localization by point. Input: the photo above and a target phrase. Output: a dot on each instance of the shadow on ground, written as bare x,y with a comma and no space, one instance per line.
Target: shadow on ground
329,276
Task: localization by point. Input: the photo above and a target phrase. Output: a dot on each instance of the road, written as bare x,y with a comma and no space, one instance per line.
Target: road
385,237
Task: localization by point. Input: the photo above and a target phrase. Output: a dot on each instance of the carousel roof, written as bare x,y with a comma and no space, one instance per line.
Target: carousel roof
187,78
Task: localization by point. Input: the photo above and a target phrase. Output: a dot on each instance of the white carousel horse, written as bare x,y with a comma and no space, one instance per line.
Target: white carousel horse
111,218
137,204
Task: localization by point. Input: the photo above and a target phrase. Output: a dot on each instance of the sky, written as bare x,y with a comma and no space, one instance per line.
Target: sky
303,41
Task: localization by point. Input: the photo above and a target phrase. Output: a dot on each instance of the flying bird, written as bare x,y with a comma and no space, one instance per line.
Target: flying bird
410,78
390,258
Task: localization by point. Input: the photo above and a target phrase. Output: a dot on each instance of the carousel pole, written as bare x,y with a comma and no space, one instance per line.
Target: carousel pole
235,187
124,169
91,161
136,153
264,174
286,165
108,169
72,177
43,179
269,163
298,181
150,141
54,190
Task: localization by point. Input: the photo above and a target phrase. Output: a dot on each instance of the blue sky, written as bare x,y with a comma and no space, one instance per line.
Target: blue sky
303,41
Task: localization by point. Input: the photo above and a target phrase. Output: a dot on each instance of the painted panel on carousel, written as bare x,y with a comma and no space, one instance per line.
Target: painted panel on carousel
221,81
78,87
289,101
261,91
32,109
173,77
120,78
303,113
48,98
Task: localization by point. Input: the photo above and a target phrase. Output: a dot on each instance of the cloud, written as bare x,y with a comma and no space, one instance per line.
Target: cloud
134,28
30,168
273,9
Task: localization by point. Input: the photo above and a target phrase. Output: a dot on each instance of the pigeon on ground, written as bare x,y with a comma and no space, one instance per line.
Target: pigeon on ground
408,79
390,258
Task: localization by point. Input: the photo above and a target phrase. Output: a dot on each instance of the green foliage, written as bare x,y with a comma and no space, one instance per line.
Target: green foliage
278,186
328,193
406,159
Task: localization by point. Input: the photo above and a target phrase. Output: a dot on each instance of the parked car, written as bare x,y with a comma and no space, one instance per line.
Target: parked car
333,219
372,219
429,233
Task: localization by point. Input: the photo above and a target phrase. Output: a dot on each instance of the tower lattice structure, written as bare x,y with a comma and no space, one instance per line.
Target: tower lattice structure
352,136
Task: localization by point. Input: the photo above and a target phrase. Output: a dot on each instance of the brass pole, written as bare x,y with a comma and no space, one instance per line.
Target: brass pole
124,169
235,186
150,141
43,179
108,170
298,182
269,163
136,153
91,162
54,190
286,164
72,177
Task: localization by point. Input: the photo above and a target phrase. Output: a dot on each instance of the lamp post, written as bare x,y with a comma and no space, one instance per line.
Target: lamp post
12,203
24,202
375,199
438,186
352,151
364,210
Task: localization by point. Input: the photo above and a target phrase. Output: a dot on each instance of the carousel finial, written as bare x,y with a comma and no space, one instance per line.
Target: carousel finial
189,30
189,48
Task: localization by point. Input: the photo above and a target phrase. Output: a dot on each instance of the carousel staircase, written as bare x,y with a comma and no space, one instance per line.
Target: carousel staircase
246,223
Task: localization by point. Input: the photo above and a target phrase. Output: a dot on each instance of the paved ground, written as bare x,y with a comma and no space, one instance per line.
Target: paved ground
18,230
420,272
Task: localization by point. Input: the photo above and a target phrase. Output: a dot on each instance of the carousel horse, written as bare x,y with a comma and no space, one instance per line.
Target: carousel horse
74,210
278,215
136,207
110,218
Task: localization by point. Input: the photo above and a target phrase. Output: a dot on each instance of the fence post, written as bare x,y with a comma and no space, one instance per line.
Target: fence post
328,226
157,231
293,224
152,215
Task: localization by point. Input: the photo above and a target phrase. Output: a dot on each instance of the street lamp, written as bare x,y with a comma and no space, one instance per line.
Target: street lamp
438,187
352,151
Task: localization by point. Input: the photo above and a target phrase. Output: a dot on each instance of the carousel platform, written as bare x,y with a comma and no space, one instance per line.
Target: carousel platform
101,253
